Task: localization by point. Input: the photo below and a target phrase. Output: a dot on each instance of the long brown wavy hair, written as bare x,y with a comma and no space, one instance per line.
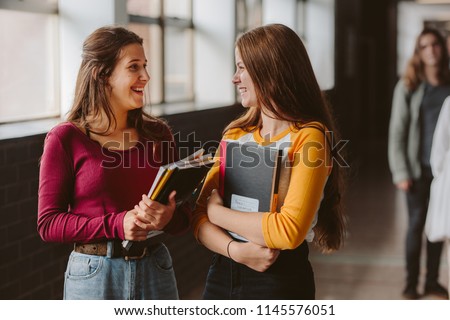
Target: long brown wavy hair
286,86
101,51
414,73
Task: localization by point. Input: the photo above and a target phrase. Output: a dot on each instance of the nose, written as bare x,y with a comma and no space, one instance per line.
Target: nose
144,76
235,79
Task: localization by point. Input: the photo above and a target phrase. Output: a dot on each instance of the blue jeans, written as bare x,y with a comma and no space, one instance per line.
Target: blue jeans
417,199
290,277
90,277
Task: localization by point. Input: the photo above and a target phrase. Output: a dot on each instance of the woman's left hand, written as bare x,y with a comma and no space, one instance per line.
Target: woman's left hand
155,214
254,256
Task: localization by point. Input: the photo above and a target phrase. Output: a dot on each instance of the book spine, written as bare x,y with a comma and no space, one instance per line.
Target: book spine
164,192
156,180
222,159
161,184
276,181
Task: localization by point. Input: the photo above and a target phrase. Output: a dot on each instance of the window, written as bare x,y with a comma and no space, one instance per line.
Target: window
317,23
40,48
248,15
167,29
313,20
28,60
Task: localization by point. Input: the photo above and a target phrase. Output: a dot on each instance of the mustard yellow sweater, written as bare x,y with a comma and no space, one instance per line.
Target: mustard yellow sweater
302,182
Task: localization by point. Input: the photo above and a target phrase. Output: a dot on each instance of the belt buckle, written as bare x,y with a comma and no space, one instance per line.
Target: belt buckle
144,252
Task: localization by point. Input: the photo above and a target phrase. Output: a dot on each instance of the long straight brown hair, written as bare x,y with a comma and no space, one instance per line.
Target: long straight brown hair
414,72
286,86
101,51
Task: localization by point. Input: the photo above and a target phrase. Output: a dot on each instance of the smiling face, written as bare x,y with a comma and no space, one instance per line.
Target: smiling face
244,83
128,79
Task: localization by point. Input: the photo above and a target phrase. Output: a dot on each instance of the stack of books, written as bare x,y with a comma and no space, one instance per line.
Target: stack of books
184,176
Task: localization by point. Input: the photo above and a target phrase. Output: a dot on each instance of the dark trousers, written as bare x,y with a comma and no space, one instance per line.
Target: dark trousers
417,200
290,277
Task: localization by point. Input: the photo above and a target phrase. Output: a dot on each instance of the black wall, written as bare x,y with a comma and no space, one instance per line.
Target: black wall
365,69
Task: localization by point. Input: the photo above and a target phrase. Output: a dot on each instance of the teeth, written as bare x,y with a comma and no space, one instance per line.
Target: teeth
242,90
138,89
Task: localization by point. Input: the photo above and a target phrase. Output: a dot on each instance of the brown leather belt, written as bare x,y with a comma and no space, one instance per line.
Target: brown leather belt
137,251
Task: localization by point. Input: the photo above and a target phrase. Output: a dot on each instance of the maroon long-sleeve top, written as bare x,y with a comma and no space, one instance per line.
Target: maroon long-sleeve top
85,189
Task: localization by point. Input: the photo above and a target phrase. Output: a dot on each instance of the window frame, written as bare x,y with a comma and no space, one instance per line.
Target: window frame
163,22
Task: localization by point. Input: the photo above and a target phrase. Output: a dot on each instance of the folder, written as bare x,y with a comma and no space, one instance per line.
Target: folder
183,176
249,177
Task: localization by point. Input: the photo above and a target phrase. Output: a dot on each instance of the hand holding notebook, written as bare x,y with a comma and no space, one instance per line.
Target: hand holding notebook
183,176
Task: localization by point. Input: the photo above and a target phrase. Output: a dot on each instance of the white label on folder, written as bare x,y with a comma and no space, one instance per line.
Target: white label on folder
246,204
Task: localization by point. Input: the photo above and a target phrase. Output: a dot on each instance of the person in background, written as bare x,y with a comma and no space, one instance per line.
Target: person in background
417,101
95,172
285,109
437,225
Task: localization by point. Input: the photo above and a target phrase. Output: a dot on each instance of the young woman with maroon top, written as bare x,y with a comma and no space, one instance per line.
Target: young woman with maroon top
95,171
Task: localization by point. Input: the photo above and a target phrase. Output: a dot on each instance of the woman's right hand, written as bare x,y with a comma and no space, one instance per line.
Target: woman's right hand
131,230
253,255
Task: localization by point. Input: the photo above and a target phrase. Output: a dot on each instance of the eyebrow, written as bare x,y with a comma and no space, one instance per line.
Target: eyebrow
136,60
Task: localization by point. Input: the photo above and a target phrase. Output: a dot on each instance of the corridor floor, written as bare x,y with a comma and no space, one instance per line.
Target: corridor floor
371,264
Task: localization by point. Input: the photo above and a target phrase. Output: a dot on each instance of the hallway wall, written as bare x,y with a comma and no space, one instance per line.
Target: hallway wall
365,69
